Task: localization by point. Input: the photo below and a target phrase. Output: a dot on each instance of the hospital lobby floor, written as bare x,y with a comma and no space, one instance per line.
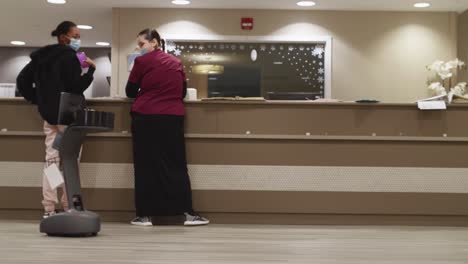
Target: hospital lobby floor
20,242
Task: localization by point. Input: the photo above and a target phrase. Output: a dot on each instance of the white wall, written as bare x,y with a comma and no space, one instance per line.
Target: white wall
12,61
379,55
100,86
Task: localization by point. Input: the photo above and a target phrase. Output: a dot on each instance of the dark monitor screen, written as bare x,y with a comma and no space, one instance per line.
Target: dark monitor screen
236,80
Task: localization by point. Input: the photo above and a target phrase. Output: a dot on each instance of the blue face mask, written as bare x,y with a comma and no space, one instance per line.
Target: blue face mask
143,51
75,44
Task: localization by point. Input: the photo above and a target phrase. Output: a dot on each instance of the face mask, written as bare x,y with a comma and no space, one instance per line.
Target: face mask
143,51
75,44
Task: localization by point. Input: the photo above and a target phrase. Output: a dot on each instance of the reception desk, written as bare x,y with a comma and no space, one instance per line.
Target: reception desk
281,162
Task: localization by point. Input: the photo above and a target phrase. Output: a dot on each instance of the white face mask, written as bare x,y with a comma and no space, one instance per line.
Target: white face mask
75,44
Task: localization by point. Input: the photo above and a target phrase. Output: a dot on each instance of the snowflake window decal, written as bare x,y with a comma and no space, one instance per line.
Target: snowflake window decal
304,62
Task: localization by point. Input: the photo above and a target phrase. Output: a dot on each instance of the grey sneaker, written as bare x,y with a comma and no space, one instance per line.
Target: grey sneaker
195,220
142,221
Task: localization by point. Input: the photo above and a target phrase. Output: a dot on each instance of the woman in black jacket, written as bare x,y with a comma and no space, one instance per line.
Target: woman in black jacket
54,69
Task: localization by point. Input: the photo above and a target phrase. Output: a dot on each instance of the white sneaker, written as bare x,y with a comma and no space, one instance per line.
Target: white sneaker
195,220
142,221
48,214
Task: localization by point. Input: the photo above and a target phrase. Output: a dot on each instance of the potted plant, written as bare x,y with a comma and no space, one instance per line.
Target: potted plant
444,73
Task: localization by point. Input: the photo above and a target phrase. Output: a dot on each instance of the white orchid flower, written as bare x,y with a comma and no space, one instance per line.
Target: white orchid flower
445,74
435,66
451,65
459,89
437,88
440,91
455,64
435,85
445,69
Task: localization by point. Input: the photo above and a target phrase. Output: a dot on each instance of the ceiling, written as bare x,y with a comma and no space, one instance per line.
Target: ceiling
39,18
401,5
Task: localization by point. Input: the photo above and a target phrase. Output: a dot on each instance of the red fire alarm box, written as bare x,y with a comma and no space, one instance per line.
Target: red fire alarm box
247,23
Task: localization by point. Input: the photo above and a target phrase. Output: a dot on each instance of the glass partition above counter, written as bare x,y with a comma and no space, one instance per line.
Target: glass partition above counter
273,70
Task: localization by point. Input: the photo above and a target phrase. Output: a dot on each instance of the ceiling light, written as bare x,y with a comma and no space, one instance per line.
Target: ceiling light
85,27
422,5
57,2
306,3
104,44
18,43
181,2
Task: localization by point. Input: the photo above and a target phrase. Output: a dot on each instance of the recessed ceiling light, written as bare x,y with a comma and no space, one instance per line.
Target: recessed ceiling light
422,5
181,2
104,44
57,2
306,3
85,27
18,43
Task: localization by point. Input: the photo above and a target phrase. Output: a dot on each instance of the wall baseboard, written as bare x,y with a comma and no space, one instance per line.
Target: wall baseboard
275,219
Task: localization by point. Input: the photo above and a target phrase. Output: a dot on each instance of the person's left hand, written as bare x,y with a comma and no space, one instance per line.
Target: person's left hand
90,62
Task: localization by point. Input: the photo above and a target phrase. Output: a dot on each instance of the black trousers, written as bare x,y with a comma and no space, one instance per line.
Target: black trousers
162,183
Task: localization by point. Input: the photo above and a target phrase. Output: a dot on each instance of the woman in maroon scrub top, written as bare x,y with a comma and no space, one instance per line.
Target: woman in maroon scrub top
162,184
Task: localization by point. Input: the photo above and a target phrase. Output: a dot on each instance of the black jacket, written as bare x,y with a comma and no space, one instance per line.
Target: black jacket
53,69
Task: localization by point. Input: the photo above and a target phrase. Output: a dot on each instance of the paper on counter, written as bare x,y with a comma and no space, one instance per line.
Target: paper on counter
432,105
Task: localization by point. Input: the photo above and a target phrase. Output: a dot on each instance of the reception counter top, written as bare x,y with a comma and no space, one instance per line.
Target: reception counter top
257,102
254,161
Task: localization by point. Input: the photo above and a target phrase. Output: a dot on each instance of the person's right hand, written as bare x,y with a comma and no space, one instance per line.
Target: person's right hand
90,62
